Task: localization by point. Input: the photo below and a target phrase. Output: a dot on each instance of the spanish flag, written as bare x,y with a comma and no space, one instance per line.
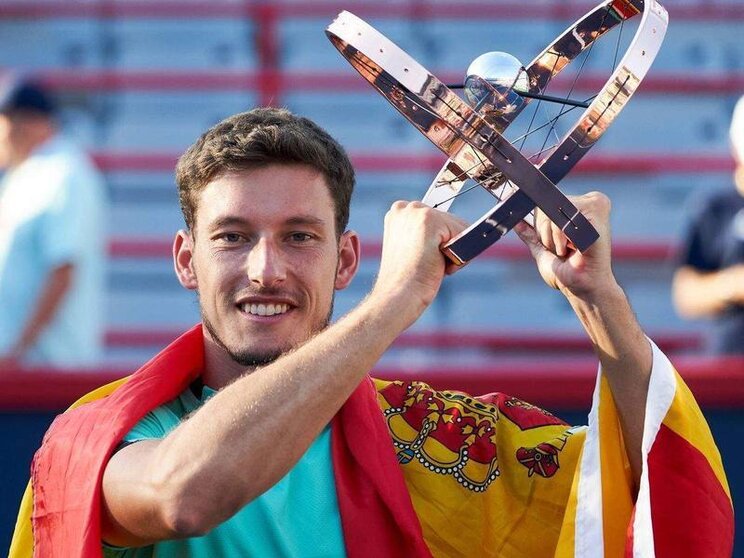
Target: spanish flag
421,472
683,507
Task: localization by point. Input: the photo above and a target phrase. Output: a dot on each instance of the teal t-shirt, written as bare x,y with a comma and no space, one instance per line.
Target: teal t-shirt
298,516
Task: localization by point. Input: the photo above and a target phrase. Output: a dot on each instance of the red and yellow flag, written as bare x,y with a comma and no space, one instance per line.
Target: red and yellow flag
463,476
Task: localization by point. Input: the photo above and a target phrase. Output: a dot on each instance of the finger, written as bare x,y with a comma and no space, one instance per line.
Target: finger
399,204
544,258
544,227
453,267
529,236
454,226
456,223
595,206
559,240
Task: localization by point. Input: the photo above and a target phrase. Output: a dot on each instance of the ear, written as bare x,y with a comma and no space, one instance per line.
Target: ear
183,259
349,254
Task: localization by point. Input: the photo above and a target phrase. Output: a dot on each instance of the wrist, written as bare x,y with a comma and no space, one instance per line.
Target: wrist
596,294
608,319
395,309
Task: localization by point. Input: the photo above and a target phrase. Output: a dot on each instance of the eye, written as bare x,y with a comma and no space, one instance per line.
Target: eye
300,237
230,238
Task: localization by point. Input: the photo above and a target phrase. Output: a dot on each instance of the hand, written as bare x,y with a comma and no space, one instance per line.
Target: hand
732,284
581,275
412,265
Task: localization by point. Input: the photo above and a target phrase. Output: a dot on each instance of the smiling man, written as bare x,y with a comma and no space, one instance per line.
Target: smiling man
261,433
265,253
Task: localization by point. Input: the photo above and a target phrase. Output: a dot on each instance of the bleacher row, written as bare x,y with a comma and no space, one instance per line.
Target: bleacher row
139,81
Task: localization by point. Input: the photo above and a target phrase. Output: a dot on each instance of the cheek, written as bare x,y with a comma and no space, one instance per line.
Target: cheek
214,279
318,278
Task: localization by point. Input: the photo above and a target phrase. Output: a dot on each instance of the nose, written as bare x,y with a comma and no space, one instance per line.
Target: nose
266,265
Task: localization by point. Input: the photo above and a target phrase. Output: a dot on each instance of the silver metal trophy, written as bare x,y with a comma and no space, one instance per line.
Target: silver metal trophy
497,88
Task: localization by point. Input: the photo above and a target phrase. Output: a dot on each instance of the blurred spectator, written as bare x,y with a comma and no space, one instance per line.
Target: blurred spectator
710,278
52,243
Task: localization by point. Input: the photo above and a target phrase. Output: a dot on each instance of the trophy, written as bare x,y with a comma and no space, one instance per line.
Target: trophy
497,89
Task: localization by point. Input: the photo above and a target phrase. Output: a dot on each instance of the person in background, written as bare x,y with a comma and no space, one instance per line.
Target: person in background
709,282
52,241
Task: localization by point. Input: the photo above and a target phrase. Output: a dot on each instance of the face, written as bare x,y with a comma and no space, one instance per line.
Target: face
265,260
19,135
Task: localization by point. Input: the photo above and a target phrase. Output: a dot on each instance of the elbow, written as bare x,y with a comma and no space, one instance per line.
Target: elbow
190,511
193,499
183,521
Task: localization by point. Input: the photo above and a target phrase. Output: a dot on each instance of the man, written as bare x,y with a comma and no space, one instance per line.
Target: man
51,241
263,435
710,280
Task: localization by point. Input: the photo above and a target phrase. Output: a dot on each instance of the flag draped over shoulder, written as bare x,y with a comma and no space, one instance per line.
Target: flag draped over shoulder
61,509
60,513
464,476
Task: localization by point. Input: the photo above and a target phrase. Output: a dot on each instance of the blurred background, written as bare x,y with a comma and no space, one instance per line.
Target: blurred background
139,81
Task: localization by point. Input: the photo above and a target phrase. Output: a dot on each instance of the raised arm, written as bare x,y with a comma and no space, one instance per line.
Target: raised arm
246,437
590,287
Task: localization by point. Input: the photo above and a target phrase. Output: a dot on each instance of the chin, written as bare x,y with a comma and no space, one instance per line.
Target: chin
251,358
258,352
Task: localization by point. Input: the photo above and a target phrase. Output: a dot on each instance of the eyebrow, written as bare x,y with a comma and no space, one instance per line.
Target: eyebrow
305,220
234,220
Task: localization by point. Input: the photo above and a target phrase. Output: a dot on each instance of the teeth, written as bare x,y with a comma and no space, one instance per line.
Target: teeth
265,309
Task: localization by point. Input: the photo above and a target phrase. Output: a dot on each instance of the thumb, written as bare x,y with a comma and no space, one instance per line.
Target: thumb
529,236
544,258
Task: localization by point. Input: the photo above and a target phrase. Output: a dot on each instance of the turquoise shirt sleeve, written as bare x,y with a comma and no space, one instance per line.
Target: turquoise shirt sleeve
156,424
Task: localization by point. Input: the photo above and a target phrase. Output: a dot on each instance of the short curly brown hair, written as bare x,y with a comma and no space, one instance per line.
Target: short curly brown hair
261,137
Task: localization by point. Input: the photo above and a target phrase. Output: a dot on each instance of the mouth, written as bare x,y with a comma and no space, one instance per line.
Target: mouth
264,308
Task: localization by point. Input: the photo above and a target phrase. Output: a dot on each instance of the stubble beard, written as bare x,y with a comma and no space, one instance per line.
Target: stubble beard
253,358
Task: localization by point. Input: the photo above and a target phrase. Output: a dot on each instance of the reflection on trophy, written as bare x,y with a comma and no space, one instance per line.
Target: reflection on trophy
496,89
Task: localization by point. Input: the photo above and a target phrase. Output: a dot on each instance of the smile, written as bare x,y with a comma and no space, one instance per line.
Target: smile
264,309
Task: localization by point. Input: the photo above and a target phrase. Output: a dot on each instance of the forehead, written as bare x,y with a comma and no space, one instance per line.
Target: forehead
272,193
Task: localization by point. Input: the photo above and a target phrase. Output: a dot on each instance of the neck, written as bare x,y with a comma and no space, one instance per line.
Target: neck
220,369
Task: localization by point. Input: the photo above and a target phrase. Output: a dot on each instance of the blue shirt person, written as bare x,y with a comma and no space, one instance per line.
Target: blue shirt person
52,241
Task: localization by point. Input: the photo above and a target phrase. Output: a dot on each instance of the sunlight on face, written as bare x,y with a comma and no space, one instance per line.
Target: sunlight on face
265,258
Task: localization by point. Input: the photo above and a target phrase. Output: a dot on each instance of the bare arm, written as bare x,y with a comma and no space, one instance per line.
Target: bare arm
589,285
626,358
700,294
245,438
52,294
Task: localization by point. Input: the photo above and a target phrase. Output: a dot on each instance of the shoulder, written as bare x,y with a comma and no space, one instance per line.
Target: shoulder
707,214
160,421
71,164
